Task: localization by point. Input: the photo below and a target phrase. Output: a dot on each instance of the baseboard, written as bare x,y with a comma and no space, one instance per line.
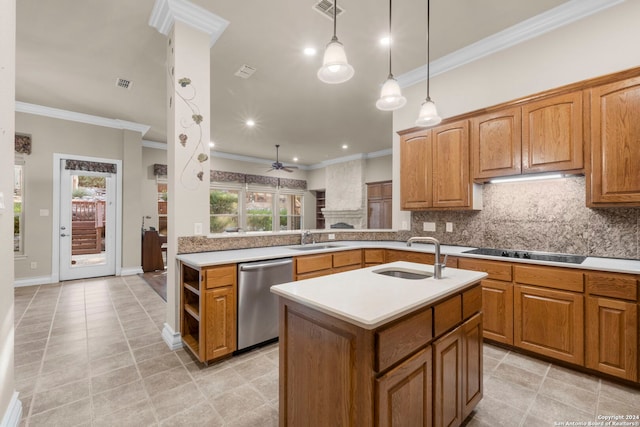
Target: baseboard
173,339
130,271
33,281
13,414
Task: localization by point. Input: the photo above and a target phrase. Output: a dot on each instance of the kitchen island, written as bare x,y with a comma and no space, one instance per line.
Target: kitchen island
365,347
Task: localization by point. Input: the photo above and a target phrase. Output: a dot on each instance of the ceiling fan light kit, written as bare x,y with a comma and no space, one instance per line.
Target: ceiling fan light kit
335,67
390,95
428,115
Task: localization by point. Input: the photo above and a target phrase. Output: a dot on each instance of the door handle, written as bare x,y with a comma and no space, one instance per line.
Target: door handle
63,228
63,235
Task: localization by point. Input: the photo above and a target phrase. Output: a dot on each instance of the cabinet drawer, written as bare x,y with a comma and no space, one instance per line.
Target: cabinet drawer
621,286
409,256
399,340
495,270
311,263
471,302
374,256
340,259
447,314
220,276
550,277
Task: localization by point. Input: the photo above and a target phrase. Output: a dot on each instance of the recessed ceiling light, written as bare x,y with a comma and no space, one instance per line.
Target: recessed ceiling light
212,144
345,146
250,123
295,159
310,51
385,41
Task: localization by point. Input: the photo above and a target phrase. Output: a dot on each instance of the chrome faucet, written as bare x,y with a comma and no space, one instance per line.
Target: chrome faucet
305,236
438,267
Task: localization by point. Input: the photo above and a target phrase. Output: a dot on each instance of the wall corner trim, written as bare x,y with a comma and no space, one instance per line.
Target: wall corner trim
173,339
13,413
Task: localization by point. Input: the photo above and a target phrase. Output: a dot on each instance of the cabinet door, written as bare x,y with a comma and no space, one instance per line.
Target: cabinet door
220,322
404,394
447,377
552,134
451,182
497,305
612,337
415,170
496,141
615,147
472,364
549,322
419,257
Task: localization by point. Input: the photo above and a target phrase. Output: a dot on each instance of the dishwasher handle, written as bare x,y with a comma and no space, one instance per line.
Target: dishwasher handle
250,267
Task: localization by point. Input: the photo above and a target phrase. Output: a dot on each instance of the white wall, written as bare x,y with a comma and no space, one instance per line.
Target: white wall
599,44
378,169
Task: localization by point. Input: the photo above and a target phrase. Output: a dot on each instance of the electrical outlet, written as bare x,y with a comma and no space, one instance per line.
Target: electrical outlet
197,228
332,236
405,225
34,265
449,227
429,226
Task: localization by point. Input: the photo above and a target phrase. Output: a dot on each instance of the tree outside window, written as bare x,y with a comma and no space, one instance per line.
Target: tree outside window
223,208
259,208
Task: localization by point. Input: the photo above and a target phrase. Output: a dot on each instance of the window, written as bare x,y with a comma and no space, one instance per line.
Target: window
236,208
18,208
223,207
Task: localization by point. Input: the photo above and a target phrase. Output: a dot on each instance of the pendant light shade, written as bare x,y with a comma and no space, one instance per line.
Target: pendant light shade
428,113
335,68
390,95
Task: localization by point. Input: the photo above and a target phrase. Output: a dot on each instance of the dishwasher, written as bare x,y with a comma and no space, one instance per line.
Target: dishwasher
257,306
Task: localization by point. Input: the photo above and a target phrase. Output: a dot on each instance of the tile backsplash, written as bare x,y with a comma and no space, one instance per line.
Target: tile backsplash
548,216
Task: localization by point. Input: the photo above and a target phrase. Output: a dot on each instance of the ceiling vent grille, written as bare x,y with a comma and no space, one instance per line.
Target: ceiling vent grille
123,83
245,71
325,7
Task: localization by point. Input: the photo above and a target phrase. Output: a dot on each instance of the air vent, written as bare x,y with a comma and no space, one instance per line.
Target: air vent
123,83
245,71
325,7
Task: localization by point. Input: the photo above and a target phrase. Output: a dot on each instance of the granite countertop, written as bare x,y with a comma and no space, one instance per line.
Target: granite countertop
369,300
204,259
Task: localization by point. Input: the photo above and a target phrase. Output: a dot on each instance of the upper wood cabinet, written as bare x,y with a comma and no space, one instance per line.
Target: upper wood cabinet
539,136
615,144
434,168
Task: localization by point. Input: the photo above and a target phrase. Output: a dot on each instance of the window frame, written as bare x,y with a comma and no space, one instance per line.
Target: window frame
20,162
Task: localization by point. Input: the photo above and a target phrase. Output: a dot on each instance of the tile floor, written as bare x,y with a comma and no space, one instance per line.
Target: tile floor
89,353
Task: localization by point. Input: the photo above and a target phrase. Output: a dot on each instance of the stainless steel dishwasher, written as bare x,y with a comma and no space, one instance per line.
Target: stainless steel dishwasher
257,306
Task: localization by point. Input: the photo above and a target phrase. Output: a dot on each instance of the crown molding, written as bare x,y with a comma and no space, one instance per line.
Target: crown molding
154,144
249,159
360,156
166,12
57,113
533,27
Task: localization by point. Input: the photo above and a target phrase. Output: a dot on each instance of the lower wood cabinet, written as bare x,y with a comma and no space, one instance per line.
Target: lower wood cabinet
404,395
497,304
612,337
549,322
317,265
472,334
220,321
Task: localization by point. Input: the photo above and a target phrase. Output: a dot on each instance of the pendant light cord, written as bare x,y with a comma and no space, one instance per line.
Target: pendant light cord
390,75
428,43
335,8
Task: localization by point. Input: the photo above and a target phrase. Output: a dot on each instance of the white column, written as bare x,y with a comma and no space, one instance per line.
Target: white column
190,30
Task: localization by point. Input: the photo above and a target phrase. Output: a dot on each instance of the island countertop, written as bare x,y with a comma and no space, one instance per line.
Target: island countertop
368,299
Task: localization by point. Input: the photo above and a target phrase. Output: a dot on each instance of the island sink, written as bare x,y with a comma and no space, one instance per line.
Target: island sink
404,273
314,247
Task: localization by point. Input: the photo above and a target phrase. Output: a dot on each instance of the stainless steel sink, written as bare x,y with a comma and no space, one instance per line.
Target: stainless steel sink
403,273
314,247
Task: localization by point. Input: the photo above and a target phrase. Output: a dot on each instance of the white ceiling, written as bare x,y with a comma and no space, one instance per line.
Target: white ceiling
70,53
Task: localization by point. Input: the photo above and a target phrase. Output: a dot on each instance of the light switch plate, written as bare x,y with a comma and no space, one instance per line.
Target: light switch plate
197,228
332,236
1,201
449,227
429,226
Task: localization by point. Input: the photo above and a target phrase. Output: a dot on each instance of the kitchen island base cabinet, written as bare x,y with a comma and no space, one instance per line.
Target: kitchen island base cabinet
335,373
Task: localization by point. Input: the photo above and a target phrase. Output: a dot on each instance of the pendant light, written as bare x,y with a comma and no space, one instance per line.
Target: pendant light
390,95
428,114
335,68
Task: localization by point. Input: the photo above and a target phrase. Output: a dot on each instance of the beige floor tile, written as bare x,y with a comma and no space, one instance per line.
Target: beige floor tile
64,362
142,330
511,394
27,370
497,413
159,364
608,406
110,363
139,415
22,337
550,410
50,399
618,392
237,402
113,379
150,351
118,398
267,385
518,376
145,340
582,399
69,415
169,402
575,378
63,376
107,349
528,363
26,405
163,381
70,349
26,386
494,351
264,416
255,367
219,382
201,414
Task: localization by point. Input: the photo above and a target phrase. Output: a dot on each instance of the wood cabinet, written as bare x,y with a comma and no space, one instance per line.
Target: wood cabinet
320,204
373,257
540,136
308,266
393,255
208,310
549,322
614,179
497,298
379,209
434,169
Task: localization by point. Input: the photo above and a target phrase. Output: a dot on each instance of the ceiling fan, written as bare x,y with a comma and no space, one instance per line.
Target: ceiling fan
277,166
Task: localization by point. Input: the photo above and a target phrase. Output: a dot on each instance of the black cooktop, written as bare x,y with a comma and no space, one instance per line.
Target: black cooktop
536,256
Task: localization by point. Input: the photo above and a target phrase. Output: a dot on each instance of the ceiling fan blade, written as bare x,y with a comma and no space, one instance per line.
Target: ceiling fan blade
269,170
286,169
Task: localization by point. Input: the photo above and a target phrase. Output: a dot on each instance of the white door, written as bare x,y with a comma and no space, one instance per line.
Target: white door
87,224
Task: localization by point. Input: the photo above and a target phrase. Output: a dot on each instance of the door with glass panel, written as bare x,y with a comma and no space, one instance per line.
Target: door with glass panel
87,223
